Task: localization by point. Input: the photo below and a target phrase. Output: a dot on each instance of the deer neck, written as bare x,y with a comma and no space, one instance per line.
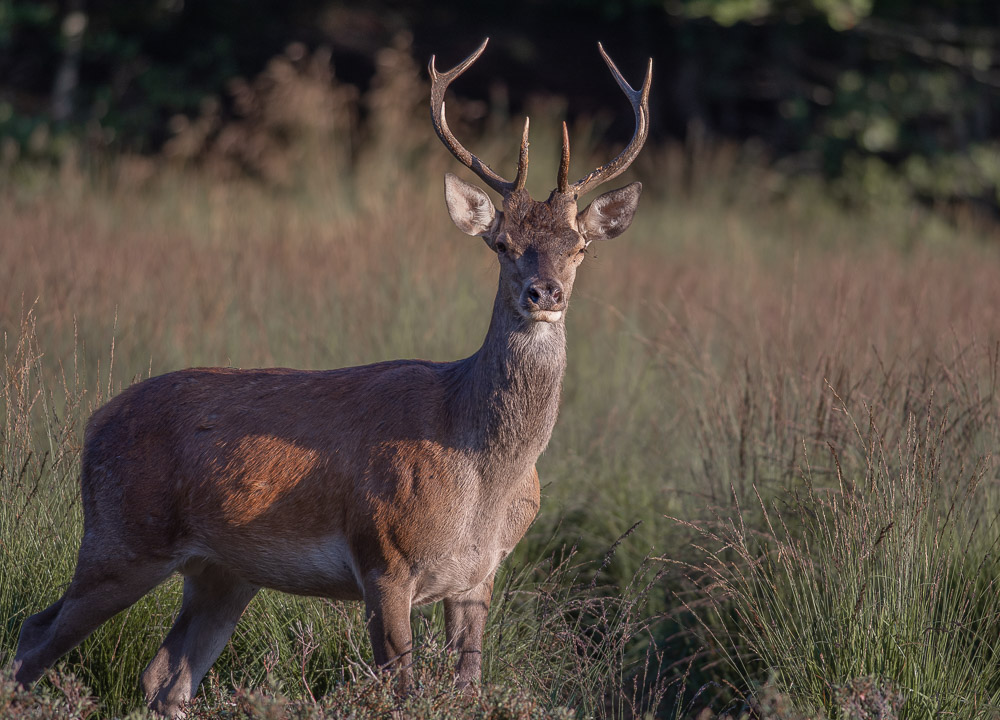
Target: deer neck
510,387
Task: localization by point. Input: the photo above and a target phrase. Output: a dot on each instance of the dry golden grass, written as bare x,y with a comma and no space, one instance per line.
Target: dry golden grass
726,343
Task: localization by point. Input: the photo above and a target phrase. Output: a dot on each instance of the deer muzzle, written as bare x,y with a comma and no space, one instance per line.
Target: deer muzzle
543,300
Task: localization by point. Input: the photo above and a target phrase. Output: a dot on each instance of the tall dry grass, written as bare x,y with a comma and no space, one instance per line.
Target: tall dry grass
782,376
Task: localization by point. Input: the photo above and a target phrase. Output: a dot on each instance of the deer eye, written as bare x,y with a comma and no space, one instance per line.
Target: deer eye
501,247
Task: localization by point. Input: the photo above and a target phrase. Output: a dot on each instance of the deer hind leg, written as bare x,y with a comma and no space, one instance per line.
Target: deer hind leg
214,600
37,625
99,590
464,622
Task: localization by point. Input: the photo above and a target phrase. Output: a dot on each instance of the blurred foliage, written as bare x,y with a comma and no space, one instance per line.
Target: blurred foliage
888,99
841,14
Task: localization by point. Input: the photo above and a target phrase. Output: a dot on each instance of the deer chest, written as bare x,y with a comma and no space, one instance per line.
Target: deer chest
475,540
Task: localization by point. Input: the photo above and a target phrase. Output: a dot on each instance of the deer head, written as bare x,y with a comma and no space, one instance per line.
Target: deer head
540,244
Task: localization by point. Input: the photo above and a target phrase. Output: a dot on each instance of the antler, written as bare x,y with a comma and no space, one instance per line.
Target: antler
439,85
640,104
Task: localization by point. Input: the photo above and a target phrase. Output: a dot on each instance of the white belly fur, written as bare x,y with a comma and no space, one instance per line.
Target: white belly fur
323,567
326,568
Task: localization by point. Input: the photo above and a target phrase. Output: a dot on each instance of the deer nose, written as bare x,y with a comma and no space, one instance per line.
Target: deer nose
545,295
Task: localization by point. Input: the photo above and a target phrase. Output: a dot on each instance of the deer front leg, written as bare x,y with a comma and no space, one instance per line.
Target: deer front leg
387,606
464,622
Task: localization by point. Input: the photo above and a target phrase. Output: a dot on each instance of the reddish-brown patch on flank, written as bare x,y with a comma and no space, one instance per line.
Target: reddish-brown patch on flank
261,472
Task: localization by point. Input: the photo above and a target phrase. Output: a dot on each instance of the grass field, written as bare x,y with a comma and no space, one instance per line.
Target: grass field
796,402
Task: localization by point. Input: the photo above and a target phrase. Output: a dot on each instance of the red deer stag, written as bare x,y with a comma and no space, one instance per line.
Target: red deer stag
399,484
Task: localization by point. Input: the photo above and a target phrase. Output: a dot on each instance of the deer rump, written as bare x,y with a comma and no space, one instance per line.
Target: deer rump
300,481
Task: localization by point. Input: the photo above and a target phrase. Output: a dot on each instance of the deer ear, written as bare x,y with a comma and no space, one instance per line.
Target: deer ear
610,214
470,208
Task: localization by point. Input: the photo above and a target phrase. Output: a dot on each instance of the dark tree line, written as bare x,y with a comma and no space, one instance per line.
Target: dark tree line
894,94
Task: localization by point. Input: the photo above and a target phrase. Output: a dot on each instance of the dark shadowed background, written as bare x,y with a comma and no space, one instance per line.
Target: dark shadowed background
889,96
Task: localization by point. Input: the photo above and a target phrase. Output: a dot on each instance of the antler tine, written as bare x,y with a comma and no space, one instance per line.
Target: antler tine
439,86
563,182
640,105
522,159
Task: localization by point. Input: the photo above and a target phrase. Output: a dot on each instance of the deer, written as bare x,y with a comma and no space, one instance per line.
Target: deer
396,484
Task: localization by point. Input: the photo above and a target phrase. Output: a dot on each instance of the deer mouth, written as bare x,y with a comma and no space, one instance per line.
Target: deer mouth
549,316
